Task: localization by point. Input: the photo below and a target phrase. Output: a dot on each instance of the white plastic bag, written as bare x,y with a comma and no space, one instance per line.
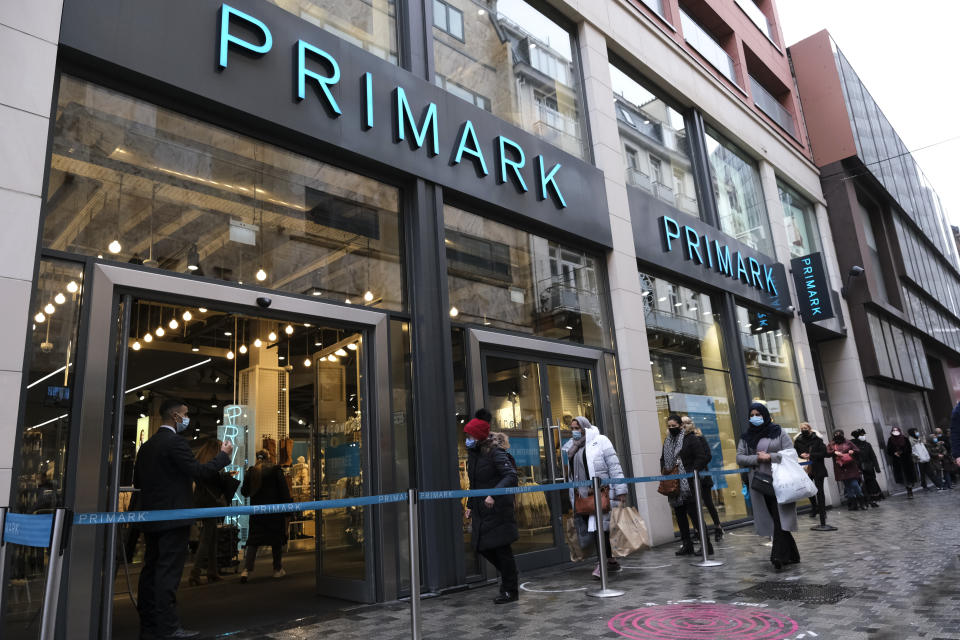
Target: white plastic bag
920,452
790,482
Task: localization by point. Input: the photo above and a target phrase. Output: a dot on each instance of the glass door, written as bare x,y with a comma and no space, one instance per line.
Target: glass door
533,403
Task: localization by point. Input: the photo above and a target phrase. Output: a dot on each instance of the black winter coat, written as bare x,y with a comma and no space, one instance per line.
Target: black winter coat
704,461
268,529
868,457
692,453
817,450
489,467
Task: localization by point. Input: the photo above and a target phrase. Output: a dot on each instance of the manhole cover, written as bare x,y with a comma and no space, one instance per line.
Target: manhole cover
791,591
702,622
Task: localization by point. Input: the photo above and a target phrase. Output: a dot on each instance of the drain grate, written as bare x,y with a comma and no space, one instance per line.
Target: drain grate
793,592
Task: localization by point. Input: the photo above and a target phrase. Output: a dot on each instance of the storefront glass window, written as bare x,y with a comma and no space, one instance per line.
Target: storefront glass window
655,146
132,182
508,278
691,377
369,24
401,379
736,186
514,61
771,371
803,234
41,454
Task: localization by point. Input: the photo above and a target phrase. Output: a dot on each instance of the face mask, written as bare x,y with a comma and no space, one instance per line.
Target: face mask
674,430
935,440
838,439
576,435
896,433
862,438
756,420
182,424
471,442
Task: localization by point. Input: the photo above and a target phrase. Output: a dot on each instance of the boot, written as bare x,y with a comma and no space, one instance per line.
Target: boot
909,493
686,549
507,596
852,504
718,533
863,503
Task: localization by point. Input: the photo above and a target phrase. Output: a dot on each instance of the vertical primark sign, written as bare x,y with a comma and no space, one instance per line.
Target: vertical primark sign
813,296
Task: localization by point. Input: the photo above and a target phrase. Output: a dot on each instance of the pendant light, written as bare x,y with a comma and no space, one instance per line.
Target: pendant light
272,336
49,309
114,246
243,346
173,324
352,346
258,343
288,330
39,318
60,298
150,262
136,342
187,316
72,286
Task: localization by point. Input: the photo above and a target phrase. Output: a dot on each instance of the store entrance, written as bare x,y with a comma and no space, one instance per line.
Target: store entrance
290,392
533,402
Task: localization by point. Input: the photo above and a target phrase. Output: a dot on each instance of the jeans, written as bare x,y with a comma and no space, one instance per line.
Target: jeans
927,472
502,559
851,489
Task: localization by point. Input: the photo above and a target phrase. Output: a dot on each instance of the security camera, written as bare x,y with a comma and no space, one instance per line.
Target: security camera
856,271
791,308
264,302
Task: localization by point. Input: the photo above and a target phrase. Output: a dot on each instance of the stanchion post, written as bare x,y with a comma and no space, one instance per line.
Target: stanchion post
51,592
414,535
705,562
603,591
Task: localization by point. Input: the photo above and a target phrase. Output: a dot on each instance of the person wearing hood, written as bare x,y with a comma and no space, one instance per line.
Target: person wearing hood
683,453
925,469
494,526
591,455
846,469
810,447
759,447
901,458
869,467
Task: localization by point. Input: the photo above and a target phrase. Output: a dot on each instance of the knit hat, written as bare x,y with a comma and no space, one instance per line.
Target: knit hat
477,429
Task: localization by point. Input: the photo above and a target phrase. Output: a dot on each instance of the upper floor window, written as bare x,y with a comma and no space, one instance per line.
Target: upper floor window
736,185
654,139
370,25
520,60
803,234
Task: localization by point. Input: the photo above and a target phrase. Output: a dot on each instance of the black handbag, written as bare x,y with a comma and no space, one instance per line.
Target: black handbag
762,483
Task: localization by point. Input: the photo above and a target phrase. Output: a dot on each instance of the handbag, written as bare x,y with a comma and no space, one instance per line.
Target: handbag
584,506
762,483
577,552
628,532
670,488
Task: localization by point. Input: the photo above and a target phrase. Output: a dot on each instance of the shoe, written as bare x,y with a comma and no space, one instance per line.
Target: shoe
279,573
909,493
851,505
863,504
686,549
194,581
874,505
613,566
718,533
813,513
697,551
183,633
243,576
777,565
596,571
507,596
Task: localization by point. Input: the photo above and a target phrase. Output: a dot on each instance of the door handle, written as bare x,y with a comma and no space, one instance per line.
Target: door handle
556,452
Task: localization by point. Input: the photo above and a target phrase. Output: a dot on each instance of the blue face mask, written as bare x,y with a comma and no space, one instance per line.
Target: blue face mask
470,442
756,421
576,435
182,424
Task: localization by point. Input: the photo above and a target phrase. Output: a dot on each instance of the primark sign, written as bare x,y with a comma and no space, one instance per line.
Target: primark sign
252,64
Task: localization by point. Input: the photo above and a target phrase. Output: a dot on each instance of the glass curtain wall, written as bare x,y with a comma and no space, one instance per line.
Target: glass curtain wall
736,186
771,369
500,276
370,24
691,376
514,61
655,147
136,183
803,233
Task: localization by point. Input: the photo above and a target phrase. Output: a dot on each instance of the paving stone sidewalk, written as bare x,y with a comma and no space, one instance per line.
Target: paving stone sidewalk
895,570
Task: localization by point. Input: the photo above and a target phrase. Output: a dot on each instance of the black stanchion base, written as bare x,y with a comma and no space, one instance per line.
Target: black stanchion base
823,527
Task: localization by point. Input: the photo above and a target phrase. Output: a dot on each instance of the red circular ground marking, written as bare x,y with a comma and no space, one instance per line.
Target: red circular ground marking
702,622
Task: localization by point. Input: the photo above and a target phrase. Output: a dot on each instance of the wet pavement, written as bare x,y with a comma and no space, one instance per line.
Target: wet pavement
891,573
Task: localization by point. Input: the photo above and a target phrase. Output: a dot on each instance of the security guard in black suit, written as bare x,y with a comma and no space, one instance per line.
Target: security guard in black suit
164,474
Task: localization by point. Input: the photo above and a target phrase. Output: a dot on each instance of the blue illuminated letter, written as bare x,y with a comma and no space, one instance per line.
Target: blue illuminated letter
724,265
671,231
755,273
693,244
741,268
368,98
515,165
768,276
706,246
226,39
472,150
325,82
429,121
549,179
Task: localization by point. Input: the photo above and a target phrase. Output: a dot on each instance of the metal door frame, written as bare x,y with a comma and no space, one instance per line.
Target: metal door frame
88,580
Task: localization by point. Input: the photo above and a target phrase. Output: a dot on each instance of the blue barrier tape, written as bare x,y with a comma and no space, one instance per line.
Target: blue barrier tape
29,530
676,476
163,515
503,491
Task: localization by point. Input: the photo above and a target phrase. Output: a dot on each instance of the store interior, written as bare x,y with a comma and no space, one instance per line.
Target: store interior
293,389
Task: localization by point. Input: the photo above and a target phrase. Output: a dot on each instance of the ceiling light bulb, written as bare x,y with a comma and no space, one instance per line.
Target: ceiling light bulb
49,309
228,333
39,318
288,330
243,348
187,316
194,348
347,301
332,358
114,247
136,345
261,275
192,267
341,353
368,296
73,287
148,338
160,331
306,362
454,312
60,298
229,355
352,346
173,323
202,309
257,343
272,336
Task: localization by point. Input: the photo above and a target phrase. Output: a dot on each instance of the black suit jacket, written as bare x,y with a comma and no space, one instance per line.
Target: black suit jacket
164,472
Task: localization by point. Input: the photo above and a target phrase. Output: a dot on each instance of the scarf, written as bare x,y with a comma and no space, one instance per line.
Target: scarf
766,430
900,441
672,445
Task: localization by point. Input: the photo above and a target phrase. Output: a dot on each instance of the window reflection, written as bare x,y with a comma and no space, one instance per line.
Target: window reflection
133,182
736,186
803,233
654,139
504,277
370,24
508,58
